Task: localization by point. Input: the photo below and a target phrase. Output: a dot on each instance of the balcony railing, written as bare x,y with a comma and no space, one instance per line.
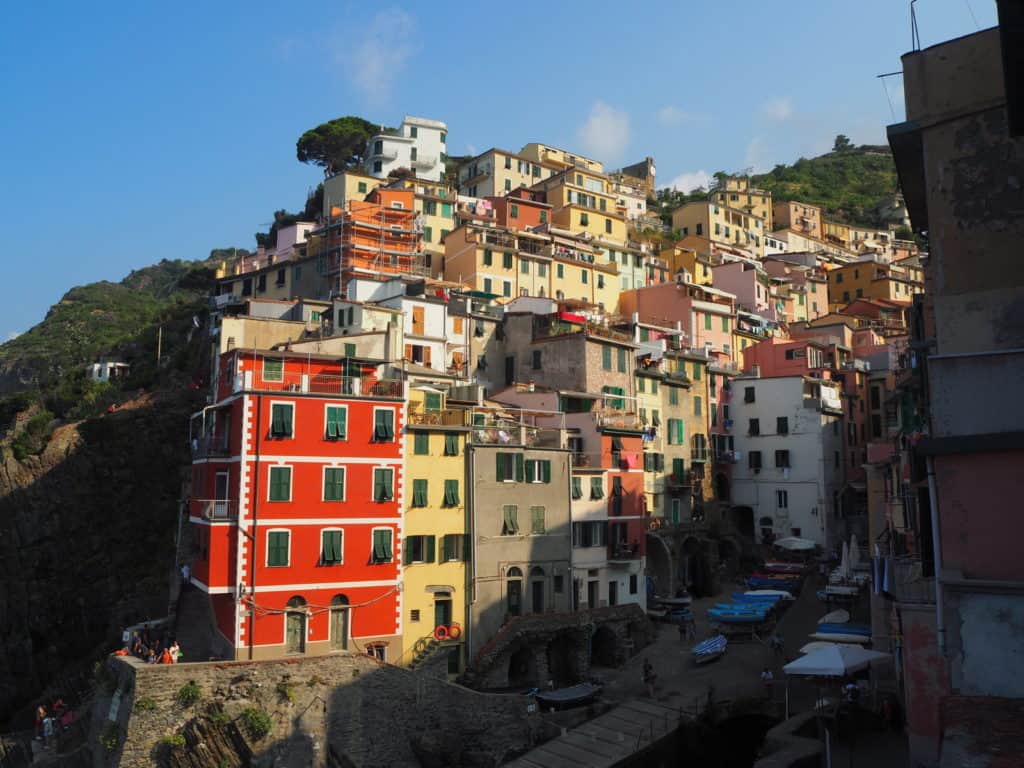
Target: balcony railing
213,509
210,447
448,417
323,384
614,460
622,552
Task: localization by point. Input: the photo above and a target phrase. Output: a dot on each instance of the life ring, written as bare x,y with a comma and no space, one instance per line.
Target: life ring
454,631
440,632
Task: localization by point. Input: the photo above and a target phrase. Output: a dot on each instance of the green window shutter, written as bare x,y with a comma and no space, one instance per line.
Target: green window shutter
511,518
659,462
596,488
280,483
428,550
707,322
531,471
350,350
696,371
499,471
577,487
419,493
273,369
334,484
384,425
537,520
545,474
280,420
506,260
382,484
446,209
673,396
519,467
451,493
488,257
428,234
382,546
725,320
451,445
421,444
622,361
641,384
677,469
331,548
446,543
277,548
337,423
606,358
406,549
679,432
432,402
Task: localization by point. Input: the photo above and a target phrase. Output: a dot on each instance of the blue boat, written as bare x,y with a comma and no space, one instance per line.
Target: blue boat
742,608
709,649
756,582
736,618
742,597
845,629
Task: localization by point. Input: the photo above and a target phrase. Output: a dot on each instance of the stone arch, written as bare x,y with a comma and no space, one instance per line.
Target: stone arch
693,566
742,519
659,564
722,487
563,654
522,667
604,647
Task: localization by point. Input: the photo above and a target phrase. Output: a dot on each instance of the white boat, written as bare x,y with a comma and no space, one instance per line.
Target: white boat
835,617
784,594
834,637
844,590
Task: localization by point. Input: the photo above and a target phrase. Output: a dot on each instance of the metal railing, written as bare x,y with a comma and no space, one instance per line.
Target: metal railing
448,417
323,384
213,509
210,446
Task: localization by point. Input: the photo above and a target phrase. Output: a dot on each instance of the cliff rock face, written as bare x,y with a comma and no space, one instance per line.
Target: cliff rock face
87,540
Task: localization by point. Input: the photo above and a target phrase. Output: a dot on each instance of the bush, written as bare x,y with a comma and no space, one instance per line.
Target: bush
189,694
257,722
218,716
110,736
145,704
173,740
285,691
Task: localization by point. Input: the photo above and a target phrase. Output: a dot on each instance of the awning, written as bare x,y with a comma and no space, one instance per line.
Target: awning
570,317
480,295
580,395
834,661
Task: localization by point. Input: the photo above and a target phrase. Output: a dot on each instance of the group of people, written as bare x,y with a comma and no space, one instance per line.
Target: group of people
58,716
155,647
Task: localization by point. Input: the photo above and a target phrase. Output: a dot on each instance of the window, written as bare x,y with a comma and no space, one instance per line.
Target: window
280,484
508,185
281,417
754,460
412,153
414,614
606,358
543,217
451,493
707,322
381,546
383,484
281,277
697,406
713,410
510,520
508,163
273,369
860,292
362,187
419,549
782,425
378,166
654,386
506,260
607,222
383,425
542,271
538,471
678,470
537,520
428,234
696,371
453,547
277,548
487,285
622,361
451,445
330,547
584,220
700,229
673,396
754,427
488,257
596,488
334,483
577,488
675,432
782,499
782,459
514,211
748,395
583,276
633,583
524,266
560,271
506,288
641,384
421,444
509,467
419,493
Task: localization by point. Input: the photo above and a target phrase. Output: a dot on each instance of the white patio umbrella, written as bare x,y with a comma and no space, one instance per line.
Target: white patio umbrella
834,661
854,552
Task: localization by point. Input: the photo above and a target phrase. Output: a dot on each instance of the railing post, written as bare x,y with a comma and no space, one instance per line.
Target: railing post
304,385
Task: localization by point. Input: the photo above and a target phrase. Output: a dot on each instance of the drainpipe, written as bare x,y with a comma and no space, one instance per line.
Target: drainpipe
933,503
255,518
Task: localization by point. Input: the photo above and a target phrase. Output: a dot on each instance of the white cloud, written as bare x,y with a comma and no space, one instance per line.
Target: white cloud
755,156
11,336
605,135
778,110
687,182
670,115
375,56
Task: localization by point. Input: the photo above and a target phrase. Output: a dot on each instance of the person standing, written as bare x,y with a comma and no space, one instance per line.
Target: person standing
768,680
649,677
40,716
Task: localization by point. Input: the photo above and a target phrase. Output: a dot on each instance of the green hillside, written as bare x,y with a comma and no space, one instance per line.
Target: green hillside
848,184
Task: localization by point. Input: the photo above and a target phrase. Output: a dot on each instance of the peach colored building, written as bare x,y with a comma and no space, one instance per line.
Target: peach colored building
799,217
706,315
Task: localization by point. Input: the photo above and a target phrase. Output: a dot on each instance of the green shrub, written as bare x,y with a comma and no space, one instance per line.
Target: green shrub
257,722
145,704
173,740
189,694
285,691
110,736
218,716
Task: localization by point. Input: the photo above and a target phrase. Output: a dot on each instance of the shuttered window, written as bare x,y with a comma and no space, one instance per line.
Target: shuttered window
383,484
451,493
280,483
334,484
419,493
421,444
281,420
384,425
510,520
577,488
537,520
273,369
596,488
330,547
382,546
277,548
451,445
337,422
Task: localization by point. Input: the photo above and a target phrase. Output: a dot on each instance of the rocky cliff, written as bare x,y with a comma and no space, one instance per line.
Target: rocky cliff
87,539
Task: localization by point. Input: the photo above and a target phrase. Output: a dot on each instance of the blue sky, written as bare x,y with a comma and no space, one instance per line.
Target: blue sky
143,131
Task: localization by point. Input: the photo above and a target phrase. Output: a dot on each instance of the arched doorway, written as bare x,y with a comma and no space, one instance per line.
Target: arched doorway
743,521
693,567
562,655
604,648
522,668
295,626
537,589
339,623
514,591
659,565
722,488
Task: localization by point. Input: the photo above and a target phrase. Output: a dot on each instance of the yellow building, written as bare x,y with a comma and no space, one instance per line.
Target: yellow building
722,225
436,546
511,263
560,158
738,194
497,172
347,186
874,280
583,202
679,257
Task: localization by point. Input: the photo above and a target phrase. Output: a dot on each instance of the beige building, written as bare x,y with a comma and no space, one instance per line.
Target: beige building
497,172
797,216
737,193
560,158
583,203
344,187
721,225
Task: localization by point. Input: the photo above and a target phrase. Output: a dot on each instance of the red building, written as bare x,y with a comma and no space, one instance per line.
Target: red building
297,492
622,454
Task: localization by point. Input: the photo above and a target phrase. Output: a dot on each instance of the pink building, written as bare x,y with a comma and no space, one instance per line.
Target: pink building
706,315
748,283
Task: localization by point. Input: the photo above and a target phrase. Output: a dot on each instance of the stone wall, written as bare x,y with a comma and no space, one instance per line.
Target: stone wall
341,709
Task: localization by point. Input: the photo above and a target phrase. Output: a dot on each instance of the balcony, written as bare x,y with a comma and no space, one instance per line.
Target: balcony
213,509
448,417
424,161
210,447
623,553
323,384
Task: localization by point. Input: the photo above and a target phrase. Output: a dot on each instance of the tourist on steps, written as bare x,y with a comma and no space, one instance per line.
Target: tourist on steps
649,677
